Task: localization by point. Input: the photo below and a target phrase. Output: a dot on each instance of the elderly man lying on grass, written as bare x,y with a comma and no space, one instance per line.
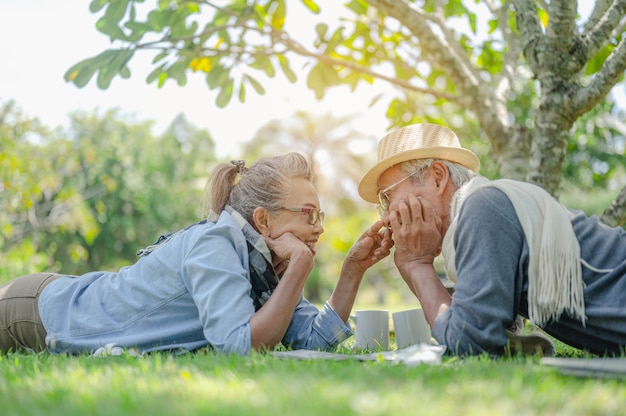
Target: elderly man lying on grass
512,249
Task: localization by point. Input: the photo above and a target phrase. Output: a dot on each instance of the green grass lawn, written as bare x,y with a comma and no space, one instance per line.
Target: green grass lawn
205,383
261,384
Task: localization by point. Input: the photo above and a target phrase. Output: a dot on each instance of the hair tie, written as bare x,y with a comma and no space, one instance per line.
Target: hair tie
241,165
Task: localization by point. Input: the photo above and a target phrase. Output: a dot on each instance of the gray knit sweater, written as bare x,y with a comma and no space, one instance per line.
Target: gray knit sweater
492,281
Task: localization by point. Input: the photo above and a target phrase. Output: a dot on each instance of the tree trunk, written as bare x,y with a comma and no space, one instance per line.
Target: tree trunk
615,214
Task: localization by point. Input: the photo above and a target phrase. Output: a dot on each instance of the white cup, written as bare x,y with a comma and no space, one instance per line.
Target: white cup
411,328
372,329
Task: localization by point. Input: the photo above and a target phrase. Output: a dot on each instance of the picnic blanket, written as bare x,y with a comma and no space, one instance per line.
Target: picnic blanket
410,356
589,367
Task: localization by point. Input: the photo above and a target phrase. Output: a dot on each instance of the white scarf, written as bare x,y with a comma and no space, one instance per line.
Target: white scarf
555,282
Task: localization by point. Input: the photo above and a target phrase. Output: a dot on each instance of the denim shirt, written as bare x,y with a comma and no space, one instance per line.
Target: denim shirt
194,291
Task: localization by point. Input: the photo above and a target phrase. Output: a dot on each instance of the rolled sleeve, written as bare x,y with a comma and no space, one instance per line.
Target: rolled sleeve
315,329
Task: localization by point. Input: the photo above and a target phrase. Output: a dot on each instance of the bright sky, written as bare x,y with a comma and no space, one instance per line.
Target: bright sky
41,39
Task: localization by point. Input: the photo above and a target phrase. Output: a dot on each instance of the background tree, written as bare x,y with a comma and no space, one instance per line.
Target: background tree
20,188
88,198
541,55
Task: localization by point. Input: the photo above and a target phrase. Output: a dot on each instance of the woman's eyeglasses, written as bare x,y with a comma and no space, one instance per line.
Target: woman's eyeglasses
313,213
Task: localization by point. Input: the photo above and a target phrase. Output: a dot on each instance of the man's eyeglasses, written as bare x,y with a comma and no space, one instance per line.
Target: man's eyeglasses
313,213
383,195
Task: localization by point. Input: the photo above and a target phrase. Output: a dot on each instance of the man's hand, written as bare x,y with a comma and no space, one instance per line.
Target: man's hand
416,230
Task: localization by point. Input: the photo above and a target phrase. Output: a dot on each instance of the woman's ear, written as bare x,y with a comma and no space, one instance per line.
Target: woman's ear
262,220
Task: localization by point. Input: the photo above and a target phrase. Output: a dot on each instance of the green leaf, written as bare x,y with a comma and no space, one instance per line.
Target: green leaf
217,76
255,84
115,11
110,28
544,17
472,21
136,26
223,98
155,74
220,19
315,82
114,66
162,79
278,17
336,40
137,30
178,72
164,4
329,75
193,7
156,20
125,72
105,76
353,78
455,8
490,59
597,61
263,63
321,29
312,6
160,57
81,73
177,20
284,64
358,6
242,92
97,5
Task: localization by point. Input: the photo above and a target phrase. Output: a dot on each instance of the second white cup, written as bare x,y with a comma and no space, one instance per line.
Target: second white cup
411,328
372,329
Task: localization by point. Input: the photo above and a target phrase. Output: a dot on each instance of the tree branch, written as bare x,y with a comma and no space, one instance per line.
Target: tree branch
563,41
511,55
295,47
619,29
562,23
603,81
599,34
615,214
600,7
439,52
490,6
474,93
512,52
531,32
459,54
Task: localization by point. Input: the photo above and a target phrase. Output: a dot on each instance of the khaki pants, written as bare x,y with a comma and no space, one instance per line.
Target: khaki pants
20,324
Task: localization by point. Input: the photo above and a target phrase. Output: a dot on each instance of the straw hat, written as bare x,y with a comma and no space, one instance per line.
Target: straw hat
417,141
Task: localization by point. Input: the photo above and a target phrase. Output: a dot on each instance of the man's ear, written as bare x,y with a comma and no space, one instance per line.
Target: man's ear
261,218
440,174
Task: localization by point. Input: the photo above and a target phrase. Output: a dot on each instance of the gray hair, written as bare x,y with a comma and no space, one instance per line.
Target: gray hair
459,174
264,184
